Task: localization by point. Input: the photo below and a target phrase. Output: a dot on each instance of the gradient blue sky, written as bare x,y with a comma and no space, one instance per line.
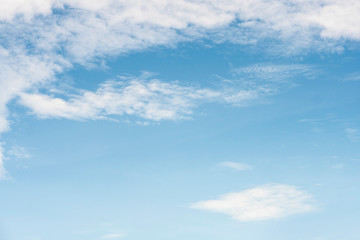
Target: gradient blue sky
181,119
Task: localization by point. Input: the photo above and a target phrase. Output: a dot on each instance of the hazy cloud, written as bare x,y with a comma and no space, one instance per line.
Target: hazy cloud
353,134
237,166
2,168
113,236
18,152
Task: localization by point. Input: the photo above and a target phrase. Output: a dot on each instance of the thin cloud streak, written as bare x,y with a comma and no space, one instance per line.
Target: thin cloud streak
237,166
113,236
3,173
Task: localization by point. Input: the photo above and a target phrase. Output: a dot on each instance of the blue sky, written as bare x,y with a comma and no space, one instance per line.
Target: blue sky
180,119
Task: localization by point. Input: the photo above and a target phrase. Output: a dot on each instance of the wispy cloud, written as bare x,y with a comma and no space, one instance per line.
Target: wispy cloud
338,166
153,100
260,203
313,120
113,236
279,76
143,97
3,173
237,166
352,77
18,152
274,72
353,134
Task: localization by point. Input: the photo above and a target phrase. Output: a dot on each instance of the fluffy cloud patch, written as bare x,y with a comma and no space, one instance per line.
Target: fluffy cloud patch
260,203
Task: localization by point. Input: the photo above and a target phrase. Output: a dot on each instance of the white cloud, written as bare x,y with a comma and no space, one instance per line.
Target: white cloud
113,236
260,203
142,96
327,18
237,165
153,100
